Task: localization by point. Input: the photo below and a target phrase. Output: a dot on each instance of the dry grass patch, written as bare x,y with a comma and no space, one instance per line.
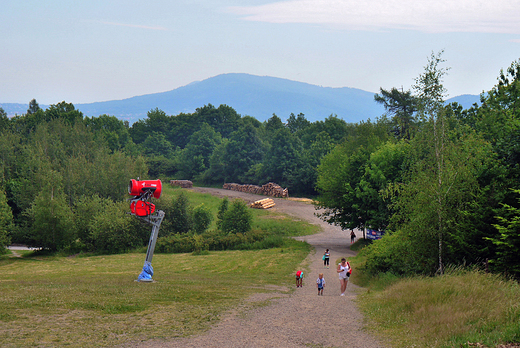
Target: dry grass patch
447,311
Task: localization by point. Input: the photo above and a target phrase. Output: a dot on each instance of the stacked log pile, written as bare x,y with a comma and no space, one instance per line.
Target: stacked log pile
269,189
274,190
243,188
265,203
182,183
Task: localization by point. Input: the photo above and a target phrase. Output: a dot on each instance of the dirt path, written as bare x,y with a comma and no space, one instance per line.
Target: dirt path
300,319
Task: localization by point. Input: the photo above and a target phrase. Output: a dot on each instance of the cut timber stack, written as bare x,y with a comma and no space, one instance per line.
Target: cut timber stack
265,203
269,189
181,183
274,190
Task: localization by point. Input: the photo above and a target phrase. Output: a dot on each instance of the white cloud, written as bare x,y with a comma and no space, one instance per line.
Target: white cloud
423,15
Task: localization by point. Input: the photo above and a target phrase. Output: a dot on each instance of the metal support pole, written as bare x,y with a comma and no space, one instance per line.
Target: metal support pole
155,220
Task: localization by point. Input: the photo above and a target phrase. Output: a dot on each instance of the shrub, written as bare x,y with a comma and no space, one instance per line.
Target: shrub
394,253
222,209
49,221
236,219
177,214
111,229
201,218
218,240
6,222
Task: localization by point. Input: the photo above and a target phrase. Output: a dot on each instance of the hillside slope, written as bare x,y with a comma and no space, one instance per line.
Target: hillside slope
256,96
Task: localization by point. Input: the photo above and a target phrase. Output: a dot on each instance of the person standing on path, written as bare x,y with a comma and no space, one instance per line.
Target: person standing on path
326,258
352,237
343,275
320,283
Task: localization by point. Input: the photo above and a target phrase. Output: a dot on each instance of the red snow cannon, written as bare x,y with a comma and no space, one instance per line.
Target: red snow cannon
139,187
141,208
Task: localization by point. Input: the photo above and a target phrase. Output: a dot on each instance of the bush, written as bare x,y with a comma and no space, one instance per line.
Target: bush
201,218
111,229
49,221
177,214
6,222
236,219
218,240
394,253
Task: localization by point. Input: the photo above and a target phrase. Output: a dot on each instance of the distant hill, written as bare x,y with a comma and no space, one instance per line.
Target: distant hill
256,96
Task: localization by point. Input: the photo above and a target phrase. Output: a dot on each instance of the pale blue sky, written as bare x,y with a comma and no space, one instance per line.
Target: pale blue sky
87,51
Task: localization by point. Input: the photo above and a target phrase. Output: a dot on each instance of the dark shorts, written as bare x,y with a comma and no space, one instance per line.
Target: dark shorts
326,261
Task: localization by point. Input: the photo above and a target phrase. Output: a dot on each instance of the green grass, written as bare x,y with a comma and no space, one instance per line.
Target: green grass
457,309
95,301
266,220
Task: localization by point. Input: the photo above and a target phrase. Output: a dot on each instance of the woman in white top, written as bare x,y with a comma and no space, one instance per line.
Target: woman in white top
343,275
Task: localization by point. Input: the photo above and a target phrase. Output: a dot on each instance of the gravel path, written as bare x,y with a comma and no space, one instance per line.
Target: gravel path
299,319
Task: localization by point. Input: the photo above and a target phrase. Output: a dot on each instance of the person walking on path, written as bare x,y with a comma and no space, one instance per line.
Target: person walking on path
343,275
326,258
352,237
320,283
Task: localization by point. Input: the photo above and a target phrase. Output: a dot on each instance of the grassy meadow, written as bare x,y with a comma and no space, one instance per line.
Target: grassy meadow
95,300
462,308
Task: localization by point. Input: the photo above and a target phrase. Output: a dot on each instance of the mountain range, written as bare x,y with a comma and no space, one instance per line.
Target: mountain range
256,96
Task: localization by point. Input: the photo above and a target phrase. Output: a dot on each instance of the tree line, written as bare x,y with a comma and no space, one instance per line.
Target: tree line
64,176
443,182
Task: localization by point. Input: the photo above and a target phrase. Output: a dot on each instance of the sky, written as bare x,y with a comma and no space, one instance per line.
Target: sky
82,51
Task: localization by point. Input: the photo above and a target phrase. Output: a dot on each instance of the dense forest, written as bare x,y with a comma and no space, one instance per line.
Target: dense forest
443,182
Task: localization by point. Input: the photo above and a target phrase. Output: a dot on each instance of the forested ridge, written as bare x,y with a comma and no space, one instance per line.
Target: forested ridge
442,181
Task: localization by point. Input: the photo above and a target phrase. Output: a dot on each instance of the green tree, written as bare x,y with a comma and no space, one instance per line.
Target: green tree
156,144
63,111
304,178
273,124
222,209
223,120
111,229
237,219
216,173
298,123
110,129
195,157
283,159
157,122
182,127
340,174
201,218
86,208
177,215
6,223
33,107
507,241
244,150
4,121
50,218
401,106
431,93
383,170
445,162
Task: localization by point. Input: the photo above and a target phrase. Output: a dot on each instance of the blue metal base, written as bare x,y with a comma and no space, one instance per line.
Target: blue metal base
147,273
